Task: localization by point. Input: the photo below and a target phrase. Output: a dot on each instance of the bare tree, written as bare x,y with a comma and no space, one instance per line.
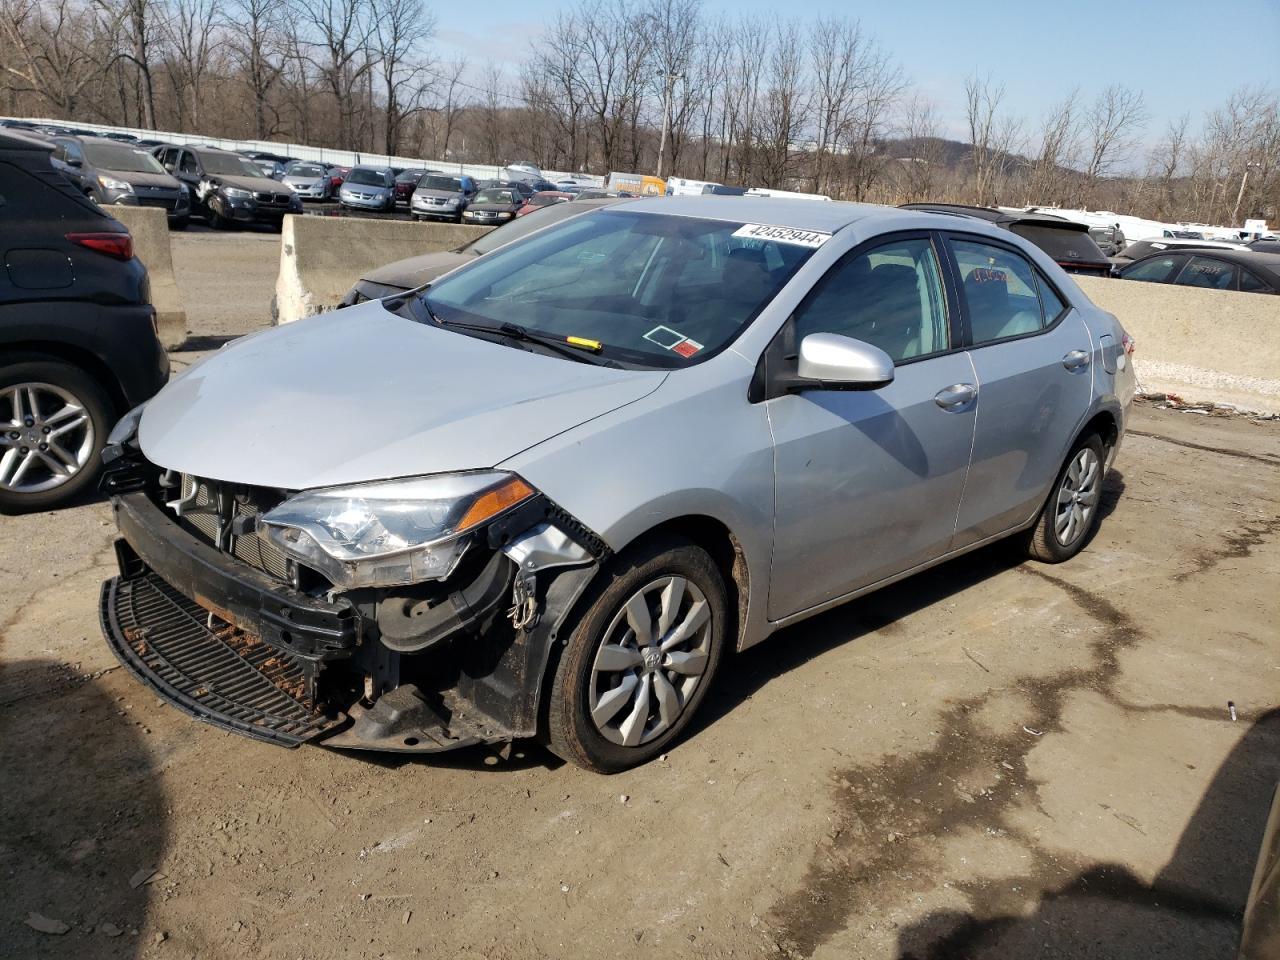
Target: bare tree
256,46
1111,127
1059,137
338,43
48,51
920,168
401,30
193,41
785,108
137,24
992,136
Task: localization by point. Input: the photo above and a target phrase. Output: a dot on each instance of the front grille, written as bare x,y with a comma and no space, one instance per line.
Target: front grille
210,517
207,667
279,199
162,202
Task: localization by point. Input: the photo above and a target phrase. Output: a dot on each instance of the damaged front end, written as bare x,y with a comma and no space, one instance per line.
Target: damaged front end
257,610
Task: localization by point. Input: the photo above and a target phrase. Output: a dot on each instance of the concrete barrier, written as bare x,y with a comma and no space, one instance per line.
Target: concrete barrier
149,227
1215,345
321,257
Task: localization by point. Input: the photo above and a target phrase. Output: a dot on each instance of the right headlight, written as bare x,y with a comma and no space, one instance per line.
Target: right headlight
391,532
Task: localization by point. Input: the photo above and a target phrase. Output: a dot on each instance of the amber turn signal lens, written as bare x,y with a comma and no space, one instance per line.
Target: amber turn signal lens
493,502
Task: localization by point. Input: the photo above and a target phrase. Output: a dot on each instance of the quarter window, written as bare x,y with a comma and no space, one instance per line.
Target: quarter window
1000,290
890,297
1251,284
1203,272
188,164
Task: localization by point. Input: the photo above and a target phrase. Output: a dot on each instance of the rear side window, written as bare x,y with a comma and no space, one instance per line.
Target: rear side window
1251,284
1155,270
890,297
1203,272
1001,292
188,164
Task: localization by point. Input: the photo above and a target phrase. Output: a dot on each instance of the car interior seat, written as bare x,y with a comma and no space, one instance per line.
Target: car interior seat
992,313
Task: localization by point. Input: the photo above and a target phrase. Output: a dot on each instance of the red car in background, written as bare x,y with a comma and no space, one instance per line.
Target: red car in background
407,182
337,175
543,198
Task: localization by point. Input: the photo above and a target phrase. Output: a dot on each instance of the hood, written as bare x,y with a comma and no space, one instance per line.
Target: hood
162,180
415,271
304,181
362,394
365,187
256,184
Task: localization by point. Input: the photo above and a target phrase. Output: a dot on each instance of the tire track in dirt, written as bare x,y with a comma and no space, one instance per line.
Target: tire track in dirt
890,816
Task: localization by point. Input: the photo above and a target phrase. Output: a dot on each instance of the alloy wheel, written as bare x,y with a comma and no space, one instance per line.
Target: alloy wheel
1077,496
653,656
46,437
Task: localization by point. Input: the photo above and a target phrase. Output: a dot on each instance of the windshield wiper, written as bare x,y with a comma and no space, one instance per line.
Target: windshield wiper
513,331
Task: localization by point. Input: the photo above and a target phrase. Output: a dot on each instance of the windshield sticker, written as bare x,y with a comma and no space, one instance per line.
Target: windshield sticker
664,337
687,348
801,238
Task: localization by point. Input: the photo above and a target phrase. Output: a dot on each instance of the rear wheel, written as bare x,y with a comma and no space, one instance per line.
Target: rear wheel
1070,516
640,659
54,420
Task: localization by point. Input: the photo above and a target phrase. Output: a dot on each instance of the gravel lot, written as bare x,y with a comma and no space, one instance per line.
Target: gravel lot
991,760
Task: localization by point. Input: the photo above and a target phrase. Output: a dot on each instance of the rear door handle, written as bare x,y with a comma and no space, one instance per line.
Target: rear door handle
1076,360
954,397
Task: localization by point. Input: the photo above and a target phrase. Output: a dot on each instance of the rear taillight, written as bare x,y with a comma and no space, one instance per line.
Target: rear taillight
1128,344
118,245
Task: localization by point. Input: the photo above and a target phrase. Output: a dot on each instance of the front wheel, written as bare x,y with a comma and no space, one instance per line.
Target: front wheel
1070,516
54,422
640,659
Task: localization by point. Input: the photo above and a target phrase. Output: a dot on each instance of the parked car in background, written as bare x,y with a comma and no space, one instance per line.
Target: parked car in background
1141,248
270,168
336,175
684,187
596,193
268,155
1068,242
570,187
368,188
228,189
78,344
1245,270
441,196
1265,245
111,172
523,187
543,198
310,181
493,206
393,278
406,183
603,458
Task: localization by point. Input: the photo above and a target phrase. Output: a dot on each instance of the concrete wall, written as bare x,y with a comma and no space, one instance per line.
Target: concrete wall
1200,344
149,227
321,257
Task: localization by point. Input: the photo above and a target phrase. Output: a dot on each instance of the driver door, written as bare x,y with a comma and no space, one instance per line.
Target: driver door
867,483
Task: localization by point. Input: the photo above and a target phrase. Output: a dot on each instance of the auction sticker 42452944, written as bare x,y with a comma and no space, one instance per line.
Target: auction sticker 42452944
802,238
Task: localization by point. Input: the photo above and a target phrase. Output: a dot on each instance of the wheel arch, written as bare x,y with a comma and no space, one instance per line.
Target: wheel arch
58,352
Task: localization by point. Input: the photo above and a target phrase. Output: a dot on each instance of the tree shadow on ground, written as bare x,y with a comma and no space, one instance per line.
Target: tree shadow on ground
82,816
1190,911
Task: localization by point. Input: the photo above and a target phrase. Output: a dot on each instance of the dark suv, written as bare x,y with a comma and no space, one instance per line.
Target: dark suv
113,172
1068,242
227,188
78,345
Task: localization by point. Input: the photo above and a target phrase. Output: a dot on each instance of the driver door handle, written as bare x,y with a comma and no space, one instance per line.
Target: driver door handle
1075,360
954,397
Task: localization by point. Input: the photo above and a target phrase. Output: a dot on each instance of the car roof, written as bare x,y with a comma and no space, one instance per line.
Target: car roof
1256,260
10,140
820,215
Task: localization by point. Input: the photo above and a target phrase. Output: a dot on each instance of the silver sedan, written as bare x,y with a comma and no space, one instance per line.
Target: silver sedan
548,493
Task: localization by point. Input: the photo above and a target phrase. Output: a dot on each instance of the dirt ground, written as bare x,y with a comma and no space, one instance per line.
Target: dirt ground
991,760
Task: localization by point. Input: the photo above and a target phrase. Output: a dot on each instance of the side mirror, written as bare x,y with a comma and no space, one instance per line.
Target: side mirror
833,362
73,162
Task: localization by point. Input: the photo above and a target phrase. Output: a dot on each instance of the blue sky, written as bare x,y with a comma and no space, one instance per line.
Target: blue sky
1184,55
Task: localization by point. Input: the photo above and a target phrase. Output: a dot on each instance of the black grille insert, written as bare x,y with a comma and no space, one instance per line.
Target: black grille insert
206,667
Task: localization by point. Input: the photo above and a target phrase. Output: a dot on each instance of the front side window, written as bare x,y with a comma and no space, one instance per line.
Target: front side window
1203,272
890,297
656,291
188,164
1000,290
1155,270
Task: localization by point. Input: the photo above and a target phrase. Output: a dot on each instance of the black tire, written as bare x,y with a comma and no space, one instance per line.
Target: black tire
1043,541
217,221
90,395
181,223
571,733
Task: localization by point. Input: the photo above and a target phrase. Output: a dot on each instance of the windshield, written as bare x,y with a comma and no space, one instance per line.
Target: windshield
495,196
409,176
112,156
452,184
306,170
658,291
1072,246
371,178
228,164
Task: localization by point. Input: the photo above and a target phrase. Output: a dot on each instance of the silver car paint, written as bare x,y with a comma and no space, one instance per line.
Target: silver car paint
625,451
293,408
